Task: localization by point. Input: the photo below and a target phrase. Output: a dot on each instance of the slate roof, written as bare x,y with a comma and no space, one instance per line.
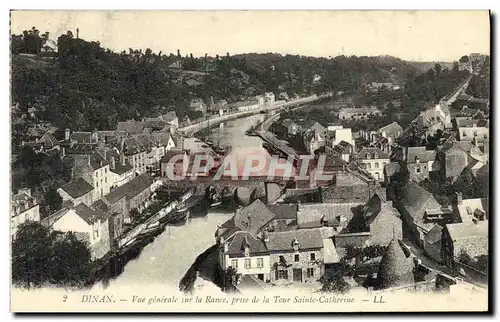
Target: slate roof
97,161
283,211
133,146
84,212
48,139
343,147
434,235
130,189
253,217
241,239
77,187
100,206
420,152
416,200
371,151
170,154
325,213
119,167
283,241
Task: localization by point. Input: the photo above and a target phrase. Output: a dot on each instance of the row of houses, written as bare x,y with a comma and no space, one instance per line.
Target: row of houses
111,174
282,243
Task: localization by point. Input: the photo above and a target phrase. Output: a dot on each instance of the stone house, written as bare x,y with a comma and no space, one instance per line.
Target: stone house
373,161
420,162
77,191
413,202
296,256
137,193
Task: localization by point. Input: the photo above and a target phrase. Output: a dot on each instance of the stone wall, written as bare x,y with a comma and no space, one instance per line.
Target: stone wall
303,264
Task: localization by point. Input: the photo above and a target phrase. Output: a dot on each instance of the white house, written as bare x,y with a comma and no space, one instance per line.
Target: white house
373,160
245,253
89,227
337,134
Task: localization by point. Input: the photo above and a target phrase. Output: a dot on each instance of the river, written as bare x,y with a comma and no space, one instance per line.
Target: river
165,260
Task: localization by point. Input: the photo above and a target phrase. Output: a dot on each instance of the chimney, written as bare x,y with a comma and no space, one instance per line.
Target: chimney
112,164
265,236
66,134
77,32
122,158
122,143
95,136
458,197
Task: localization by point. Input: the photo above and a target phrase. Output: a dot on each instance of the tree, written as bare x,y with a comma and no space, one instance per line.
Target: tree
70,263
231,277
40,257
52,200
438,69
334,283
31,252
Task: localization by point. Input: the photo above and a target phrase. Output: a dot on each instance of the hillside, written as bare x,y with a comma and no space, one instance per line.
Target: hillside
87,86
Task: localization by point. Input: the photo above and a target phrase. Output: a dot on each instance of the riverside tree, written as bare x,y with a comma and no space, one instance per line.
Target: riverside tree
41,257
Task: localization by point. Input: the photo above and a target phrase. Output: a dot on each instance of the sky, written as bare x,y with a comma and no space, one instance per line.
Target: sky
410,35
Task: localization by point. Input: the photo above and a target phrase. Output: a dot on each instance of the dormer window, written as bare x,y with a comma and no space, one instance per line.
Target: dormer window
295,245
247,251
375,155
367,156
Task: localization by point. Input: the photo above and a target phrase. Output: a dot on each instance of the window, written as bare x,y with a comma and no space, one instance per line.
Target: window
376,165
282,258
485,136
310,272
105,170
234,263
368,165
418,169
106,180
282,274
260,262
464,134
297,257
248,263
313,256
